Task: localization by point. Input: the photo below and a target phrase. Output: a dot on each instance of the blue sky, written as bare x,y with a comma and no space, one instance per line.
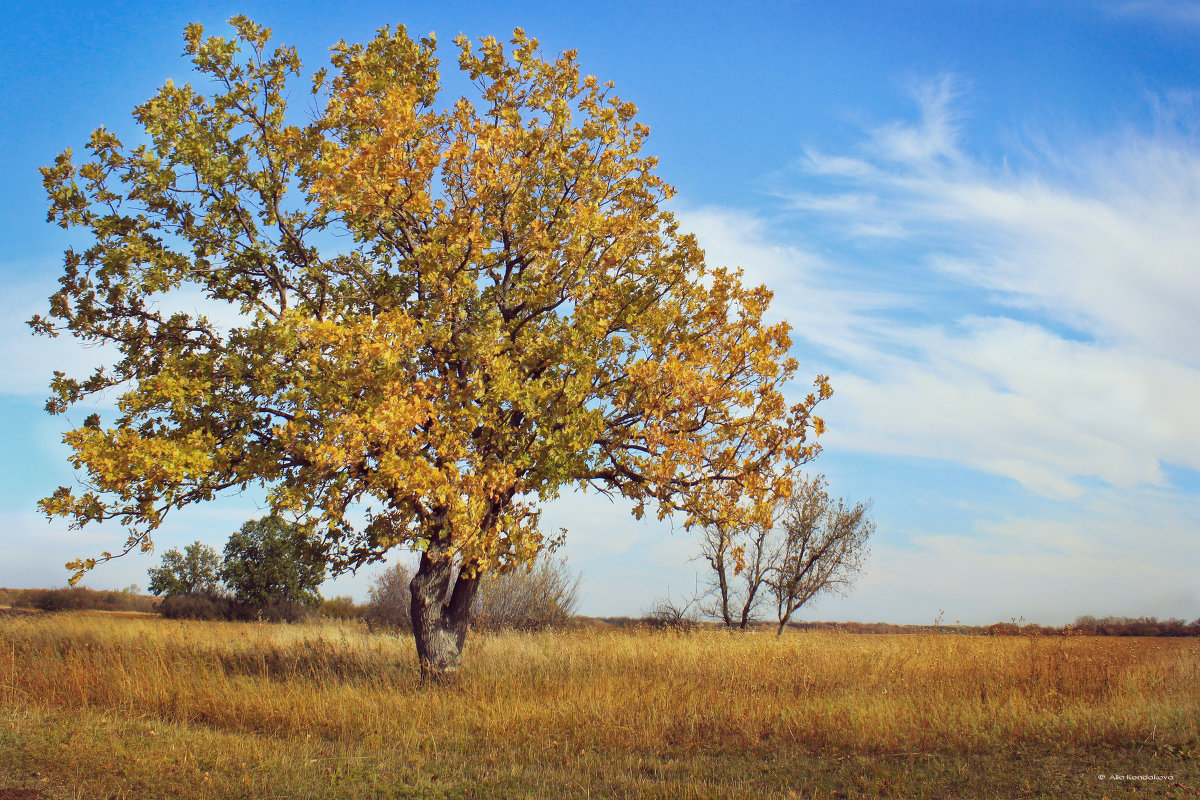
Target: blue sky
982,219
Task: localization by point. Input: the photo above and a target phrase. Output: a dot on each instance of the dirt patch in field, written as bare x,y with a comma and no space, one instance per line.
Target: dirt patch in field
19,794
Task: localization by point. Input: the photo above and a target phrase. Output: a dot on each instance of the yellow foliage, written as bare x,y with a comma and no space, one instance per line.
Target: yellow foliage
511,313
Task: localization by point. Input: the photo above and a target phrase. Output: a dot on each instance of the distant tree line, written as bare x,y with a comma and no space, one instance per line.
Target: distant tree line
79,599
552,598
1135,626
667,615
271,570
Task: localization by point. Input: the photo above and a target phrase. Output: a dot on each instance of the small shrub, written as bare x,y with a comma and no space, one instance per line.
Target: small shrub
390,600
341,608
669,615
197,606
543,595
275,609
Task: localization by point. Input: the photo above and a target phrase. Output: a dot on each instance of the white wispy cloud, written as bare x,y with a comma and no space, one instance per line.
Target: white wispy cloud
1014,399
1066,348
933,138
1106,241
1174,11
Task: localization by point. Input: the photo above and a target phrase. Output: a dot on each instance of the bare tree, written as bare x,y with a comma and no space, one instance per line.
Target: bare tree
717,548
811,544
821,548
739,560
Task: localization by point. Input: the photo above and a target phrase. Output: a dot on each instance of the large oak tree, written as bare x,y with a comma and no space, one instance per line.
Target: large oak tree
442,314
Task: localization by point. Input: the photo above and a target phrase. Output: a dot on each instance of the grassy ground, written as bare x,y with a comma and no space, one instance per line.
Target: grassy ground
97,706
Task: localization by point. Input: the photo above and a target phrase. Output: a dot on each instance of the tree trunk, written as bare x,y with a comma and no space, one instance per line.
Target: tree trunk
723,583
441,606
754,574
785,614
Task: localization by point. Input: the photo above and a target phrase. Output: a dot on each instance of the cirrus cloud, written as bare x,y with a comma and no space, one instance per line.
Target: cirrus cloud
1036,322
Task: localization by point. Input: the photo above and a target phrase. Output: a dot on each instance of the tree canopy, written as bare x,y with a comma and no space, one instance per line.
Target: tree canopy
440,313
269,560
194,571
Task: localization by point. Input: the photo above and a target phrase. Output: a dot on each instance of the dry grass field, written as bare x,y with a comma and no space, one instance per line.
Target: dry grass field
99,706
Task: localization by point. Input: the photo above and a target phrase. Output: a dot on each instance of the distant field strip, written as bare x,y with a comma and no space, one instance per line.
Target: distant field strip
249,709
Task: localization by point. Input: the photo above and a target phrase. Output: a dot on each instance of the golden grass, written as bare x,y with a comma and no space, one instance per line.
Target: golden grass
572,713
